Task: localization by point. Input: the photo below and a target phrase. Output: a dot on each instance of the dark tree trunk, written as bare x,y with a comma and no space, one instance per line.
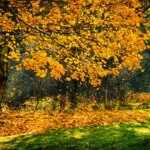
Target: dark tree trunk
74,94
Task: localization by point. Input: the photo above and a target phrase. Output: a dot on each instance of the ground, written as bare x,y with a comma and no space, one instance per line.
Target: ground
79,130
87,127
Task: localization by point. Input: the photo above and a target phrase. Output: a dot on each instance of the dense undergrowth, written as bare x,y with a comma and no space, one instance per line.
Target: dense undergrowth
130,101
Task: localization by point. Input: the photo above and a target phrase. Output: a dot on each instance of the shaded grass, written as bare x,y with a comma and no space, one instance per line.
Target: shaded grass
115,137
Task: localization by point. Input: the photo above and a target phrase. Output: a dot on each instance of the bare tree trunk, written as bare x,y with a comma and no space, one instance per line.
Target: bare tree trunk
106,88
74,93
38,92
2,94
106,96
98,96
0,104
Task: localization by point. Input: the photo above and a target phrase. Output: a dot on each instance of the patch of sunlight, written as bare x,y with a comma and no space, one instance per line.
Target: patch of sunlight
77,134
116,126
7,138
143,111
134,104
143,131
11,137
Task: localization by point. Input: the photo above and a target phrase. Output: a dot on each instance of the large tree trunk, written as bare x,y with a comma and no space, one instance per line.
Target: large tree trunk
2,86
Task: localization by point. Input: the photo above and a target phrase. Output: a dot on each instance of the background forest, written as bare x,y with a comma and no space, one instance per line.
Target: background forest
90,48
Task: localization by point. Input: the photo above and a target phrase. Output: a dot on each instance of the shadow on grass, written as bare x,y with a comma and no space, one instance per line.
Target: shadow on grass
117,137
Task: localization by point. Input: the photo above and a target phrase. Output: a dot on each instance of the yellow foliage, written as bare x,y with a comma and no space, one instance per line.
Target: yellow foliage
84,39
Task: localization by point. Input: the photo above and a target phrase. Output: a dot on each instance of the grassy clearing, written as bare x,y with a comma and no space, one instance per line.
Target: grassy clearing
114,137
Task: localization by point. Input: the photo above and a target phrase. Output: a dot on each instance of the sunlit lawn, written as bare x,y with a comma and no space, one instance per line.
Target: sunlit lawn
115,137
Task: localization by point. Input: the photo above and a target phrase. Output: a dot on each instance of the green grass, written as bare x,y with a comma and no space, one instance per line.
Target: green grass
115,137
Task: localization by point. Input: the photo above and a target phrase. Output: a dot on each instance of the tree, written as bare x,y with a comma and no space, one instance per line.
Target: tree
82,40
